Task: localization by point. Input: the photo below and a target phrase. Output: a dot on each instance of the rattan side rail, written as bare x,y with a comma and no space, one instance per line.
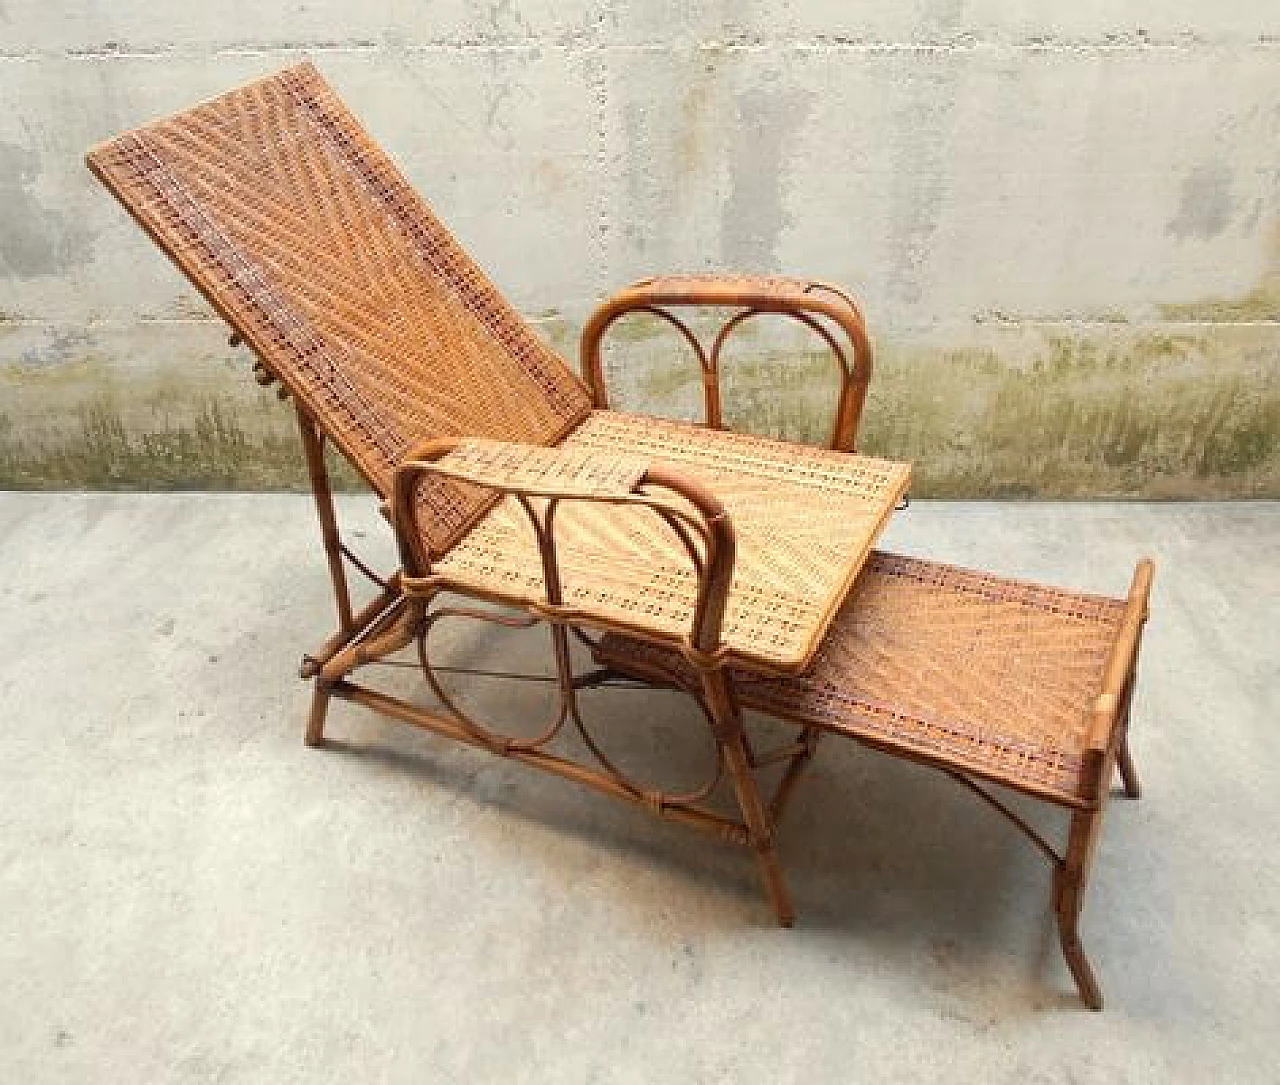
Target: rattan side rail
718,562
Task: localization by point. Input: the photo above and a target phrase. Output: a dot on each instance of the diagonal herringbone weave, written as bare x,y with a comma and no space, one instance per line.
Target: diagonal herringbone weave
990,675
305,236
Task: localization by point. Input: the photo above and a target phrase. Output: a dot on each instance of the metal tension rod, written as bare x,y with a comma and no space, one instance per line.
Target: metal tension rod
1031,833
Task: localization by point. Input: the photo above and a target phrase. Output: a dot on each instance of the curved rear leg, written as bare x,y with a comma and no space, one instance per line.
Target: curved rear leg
1128,774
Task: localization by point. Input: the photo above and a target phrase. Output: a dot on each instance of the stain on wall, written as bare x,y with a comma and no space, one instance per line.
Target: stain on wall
1259,305
37,240
1091,416
755,214
1205,206
86,424
1111,411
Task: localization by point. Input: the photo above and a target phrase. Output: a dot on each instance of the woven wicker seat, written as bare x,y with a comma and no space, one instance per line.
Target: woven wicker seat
992,676
803,516
712,560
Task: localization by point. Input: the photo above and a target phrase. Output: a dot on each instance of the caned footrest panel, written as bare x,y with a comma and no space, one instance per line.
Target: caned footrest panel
986,675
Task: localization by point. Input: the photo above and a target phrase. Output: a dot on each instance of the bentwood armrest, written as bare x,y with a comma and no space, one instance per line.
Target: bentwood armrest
696,517
828,310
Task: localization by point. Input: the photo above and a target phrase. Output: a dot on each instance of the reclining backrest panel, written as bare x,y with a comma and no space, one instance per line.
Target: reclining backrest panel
307,239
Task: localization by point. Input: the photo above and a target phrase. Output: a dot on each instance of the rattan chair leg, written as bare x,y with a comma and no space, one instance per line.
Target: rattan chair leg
791,775
319,707
1069,885
727,721
1128,773
313,446
1073,951
753,813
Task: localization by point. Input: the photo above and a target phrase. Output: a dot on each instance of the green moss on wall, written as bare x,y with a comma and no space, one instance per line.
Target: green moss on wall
1101,413
1119,410
81,425
1151,416
1262,303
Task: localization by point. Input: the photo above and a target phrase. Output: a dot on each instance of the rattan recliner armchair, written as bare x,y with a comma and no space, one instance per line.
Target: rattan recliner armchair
733,566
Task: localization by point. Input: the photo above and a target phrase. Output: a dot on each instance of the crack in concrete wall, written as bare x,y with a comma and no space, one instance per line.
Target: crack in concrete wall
1121,41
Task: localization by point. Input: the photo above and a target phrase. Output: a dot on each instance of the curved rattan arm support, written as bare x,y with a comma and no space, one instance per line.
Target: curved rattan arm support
707,534
805,300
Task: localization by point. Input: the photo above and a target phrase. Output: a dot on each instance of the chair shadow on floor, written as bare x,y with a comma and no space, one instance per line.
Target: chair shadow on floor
889,856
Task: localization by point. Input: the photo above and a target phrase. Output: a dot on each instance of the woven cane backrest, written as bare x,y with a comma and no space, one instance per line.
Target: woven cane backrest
303,234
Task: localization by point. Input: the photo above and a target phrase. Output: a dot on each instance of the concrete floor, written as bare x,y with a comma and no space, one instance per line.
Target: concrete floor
187,894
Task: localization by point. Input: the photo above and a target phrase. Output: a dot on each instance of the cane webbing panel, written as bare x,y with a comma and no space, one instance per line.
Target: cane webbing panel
303,234
995,677
805,519
546,471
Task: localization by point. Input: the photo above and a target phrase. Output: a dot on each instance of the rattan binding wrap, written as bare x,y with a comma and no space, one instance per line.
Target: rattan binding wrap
301,231
962,669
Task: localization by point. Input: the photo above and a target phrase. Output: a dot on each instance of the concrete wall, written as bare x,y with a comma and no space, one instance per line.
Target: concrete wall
1064,220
